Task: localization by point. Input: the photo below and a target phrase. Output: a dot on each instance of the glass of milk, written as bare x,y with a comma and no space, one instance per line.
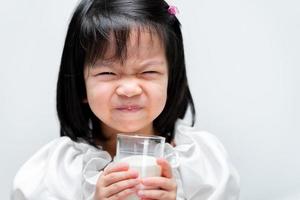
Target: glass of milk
140,152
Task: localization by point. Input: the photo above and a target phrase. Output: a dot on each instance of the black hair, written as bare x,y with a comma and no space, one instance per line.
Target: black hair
92,25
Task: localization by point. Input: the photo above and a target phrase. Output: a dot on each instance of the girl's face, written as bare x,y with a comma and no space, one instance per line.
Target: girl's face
128,96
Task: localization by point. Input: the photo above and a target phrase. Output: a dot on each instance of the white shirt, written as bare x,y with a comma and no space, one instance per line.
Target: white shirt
68,170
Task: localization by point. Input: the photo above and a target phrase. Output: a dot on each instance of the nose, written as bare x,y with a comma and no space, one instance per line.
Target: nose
129,88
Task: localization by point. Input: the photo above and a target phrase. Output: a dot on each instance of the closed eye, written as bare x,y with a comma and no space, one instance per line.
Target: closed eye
105,73
150,72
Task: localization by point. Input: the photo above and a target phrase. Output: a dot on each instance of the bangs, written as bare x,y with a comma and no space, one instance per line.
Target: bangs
100,34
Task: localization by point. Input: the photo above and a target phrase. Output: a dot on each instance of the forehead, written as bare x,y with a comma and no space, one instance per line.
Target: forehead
140,44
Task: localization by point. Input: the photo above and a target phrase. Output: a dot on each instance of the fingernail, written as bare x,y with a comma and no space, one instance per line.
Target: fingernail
135,182
140,193
140,187
134,174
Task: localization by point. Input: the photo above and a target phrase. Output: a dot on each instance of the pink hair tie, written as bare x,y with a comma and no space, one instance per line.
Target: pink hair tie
173,10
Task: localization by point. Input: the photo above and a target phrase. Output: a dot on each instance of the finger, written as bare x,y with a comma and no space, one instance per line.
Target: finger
118,187
160,182
115,167
156,194
120,195
123,194
166,170
119,176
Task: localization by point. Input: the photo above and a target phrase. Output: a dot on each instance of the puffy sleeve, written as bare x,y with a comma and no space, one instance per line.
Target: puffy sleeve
204,170
62,169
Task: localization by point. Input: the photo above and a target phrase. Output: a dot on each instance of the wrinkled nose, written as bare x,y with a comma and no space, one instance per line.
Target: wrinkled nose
129,88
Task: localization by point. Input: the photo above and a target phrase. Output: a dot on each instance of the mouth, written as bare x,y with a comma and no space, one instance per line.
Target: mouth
129,108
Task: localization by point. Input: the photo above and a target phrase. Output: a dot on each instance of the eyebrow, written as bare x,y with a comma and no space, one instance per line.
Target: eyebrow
152,62
105,63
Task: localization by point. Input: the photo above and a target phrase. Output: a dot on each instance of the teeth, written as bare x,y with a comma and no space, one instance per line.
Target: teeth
130,108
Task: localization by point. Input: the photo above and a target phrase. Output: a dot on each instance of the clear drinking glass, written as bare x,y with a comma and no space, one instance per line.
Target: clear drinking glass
140,152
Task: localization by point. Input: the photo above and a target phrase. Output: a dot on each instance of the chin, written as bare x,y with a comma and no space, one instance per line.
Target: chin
134,128
130,130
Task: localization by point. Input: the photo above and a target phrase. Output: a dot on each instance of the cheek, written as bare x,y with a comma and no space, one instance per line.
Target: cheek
96,90
98,96
163,98
158,97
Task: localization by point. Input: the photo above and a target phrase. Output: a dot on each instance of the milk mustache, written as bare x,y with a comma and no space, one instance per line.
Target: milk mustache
145,165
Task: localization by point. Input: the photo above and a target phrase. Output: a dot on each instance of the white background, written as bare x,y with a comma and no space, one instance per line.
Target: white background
243,60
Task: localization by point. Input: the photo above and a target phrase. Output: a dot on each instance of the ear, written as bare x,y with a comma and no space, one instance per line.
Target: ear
85,100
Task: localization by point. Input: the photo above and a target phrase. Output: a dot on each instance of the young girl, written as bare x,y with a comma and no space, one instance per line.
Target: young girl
123,71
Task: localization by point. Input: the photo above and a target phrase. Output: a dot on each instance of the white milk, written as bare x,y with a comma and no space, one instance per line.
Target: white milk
146,167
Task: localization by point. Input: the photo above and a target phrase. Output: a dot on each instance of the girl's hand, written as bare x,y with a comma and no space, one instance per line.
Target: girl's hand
116,182
166,186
